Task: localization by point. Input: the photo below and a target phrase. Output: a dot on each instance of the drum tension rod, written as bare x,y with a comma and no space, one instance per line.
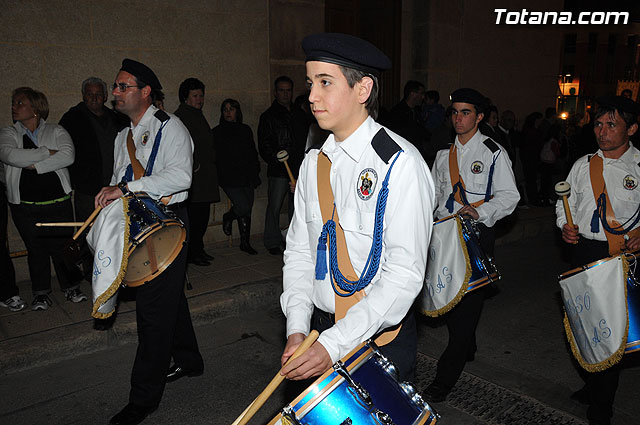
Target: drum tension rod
362,394
289,416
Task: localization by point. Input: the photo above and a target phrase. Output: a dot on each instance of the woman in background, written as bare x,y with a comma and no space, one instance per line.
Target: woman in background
238,169
36,154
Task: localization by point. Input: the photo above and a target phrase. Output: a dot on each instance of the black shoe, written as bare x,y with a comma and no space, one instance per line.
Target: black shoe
275,251
244,226
436,393
176,372
132,414
206,256
103,324
198,260
581,396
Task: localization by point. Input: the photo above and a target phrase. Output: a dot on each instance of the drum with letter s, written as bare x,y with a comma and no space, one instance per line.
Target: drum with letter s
362,389
456,264
156,236
602,310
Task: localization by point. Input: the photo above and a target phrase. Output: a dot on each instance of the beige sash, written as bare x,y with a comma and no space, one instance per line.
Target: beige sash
454,175
138,169
326,199
616,242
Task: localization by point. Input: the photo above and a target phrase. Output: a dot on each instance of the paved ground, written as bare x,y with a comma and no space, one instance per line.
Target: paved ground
57,370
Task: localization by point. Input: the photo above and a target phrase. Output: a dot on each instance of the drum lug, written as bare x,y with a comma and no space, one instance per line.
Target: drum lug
358,389
415,397
289,416
382,417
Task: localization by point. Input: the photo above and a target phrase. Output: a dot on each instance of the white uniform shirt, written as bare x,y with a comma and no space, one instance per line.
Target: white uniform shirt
406,233
172,168
621,177
474,163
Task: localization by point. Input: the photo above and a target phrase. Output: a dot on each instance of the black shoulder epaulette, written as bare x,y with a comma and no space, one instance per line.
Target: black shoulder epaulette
161,115
493,146
316,146
384,145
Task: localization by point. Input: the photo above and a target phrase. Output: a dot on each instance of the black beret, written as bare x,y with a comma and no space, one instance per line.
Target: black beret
345,50
622,104
142,72
466,95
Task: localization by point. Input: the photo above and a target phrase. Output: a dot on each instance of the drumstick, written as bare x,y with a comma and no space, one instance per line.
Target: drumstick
92,217
283,156
61,224
563,189
264,395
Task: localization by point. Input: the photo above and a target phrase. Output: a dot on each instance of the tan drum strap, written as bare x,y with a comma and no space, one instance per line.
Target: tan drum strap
138,169
455,177
616,242
326,199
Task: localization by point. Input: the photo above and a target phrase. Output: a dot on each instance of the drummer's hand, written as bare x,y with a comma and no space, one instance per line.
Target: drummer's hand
293,342
292,187
107,195
313,362
633,244
570,234
468,210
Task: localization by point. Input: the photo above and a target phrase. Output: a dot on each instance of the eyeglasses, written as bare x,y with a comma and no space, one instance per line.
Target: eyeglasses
122,87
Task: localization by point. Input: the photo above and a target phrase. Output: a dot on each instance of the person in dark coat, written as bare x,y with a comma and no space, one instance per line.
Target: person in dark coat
238,170
93,128
204,184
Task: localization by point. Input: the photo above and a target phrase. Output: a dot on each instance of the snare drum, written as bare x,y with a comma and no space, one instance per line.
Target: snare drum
456,265
361,389
156,236
633,295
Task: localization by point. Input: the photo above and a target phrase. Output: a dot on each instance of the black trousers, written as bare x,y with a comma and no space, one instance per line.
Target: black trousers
462,322
198,222
402,351
165,331
44,243
241,198
8,286
601,386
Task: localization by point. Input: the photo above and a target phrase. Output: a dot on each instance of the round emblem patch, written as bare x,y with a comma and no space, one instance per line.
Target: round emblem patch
367,183
630,182
477,167
145,137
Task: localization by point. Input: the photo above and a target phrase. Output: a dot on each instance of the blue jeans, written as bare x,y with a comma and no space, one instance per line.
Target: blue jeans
278,190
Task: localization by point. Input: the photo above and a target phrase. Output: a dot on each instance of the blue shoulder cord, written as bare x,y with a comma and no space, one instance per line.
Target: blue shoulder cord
600,214
373,261
463,195
128,174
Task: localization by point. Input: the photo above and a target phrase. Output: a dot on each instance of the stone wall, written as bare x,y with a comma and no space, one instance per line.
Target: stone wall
458,44
236,48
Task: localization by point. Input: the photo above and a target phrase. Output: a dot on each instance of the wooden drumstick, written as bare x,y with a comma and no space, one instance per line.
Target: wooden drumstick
283,156
61,224
563,189
92,217
266,393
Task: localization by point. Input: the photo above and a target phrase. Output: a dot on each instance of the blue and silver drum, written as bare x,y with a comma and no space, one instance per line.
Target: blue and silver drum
156,236
362,389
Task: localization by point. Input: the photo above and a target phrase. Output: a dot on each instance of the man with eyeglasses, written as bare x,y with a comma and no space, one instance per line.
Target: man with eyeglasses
93,128
164,323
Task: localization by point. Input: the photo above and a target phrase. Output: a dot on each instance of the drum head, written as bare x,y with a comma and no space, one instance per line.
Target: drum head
154,253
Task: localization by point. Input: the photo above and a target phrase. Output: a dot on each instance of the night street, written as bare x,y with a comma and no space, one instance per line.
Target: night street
523,371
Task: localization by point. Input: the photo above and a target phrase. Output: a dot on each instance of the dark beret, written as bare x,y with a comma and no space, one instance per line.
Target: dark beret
466,95
142,72
345,50
622,104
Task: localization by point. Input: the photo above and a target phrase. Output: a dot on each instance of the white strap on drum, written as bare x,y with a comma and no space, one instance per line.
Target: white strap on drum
448,268
596,313
108,240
